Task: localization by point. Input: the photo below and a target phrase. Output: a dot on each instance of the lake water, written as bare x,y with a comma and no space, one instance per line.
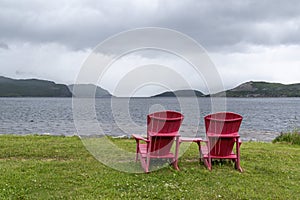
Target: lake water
263,118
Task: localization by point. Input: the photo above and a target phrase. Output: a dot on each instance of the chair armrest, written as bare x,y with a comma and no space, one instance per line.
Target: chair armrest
205,141
223,136
188,139
138,137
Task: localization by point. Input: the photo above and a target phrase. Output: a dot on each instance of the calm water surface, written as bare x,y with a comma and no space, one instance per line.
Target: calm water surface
264,118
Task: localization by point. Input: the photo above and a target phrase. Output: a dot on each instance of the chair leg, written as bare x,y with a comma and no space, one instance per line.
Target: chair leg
240,169
147,164
206,160
238,166
207,163
144,163
136,156
201,156
199,148
137,153
175,163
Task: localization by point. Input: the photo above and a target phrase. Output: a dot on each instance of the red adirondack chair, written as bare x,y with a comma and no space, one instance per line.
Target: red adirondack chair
221,137
162,131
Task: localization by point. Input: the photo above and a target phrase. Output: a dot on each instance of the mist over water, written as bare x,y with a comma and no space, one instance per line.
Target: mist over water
263,118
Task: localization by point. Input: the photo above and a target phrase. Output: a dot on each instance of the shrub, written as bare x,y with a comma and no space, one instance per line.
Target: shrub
290,137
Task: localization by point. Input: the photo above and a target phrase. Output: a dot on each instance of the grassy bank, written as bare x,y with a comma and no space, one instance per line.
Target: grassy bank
48,167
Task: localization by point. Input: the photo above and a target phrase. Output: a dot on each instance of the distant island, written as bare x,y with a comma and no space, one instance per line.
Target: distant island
32,88
262,89
248,89
181,93
43,88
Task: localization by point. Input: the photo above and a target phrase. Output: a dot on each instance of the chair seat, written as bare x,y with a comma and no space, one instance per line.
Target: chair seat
204,151
143,152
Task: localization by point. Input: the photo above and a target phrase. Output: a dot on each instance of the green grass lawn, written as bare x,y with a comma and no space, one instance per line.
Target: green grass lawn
49,167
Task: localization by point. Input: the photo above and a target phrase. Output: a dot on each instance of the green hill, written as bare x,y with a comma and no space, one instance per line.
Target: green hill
263,89
88,91
32,88
181,93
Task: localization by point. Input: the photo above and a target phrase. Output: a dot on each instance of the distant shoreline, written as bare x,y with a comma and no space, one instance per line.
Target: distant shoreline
16,88
145,97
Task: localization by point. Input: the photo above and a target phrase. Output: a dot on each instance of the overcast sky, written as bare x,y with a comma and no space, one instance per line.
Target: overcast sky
246,40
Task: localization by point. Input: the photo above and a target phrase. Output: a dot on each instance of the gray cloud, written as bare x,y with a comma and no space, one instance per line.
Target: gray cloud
218,25
248,40
3,46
